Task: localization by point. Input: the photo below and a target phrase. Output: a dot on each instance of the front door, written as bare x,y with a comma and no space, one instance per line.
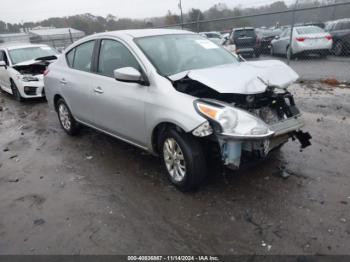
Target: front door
118,107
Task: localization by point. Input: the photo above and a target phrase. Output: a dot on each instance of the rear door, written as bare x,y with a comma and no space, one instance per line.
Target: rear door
245,38
77,81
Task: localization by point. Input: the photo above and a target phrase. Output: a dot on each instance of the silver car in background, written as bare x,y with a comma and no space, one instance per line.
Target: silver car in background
176,95
305,40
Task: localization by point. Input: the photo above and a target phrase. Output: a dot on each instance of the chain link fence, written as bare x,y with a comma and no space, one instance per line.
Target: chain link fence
314,41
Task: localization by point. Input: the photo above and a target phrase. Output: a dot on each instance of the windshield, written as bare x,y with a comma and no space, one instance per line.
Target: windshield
172,54
30,53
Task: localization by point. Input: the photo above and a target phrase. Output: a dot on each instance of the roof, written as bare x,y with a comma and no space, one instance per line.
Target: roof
55,31
11,46
13,35
145,32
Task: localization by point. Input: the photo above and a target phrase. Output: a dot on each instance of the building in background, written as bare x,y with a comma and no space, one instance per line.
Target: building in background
14,38
58,38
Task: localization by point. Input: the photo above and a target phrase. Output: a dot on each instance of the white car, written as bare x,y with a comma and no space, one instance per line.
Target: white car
22,67
306,40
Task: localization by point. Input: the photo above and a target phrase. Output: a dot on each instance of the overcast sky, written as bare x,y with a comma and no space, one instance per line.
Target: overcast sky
36,10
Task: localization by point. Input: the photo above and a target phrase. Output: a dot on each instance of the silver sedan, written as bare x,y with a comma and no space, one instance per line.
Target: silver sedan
176,95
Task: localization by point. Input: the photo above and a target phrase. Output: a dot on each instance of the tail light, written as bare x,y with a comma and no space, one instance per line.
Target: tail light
329,37
300,39
46,72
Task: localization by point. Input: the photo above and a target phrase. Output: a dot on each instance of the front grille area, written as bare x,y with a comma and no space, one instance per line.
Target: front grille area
30,90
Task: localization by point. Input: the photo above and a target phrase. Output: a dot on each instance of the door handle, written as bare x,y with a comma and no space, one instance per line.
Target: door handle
98,90
63,81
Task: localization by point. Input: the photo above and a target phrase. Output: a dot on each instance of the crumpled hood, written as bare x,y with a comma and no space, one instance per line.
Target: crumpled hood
27,63
243,78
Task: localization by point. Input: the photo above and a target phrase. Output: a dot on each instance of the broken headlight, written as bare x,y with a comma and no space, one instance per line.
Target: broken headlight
233,121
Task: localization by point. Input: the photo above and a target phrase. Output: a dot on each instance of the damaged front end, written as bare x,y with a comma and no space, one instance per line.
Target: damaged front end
246,125
30,75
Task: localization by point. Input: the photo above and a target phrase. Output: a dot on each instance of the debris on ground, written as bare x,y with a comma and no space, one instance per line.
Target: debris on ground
282,173
13,180
343,220
39,222
13,156
330,82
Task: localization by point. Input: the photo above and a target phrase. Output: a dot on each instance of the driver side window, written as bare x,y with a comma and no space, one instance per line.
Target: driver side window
114,55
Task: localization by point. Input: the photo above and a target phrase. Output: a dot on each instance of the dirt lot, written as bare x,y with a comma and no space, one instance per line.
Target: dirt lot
96,195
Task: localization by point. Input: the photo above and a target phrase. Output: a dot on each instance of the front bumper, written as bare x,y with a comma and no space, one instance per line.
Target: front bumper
33,89
232,146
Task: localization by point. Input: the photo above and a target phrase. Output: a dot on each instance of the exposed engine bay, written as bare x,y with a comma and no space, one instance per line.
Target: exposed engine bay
275,106
36,67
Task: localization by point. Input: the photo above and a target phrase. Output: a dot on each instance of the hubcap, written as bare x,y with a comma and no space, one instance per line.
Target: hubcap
174,160
64,116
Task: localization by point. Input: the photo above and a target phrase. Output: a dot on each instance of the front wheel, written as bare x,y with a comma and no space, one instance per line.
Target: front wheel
183,159
290,54
15,92
66,119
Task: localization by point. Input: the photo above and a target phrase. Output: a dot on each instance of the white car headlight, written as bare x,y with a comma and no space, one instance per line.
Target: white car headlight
233,121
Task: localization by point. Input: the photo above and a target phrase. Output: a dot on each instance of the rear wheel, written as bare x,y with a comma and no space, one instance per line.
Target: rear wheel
15,92
338,48
66,119
183,159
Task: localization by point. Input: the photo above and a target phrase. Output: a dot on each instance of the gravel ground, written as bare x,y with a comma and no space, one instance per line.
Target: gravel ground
93,194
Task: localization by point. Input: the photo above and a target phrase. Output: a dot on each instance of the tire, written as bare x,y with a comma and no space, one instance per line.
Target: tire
338,48
66,118
15,92
183,159
290,55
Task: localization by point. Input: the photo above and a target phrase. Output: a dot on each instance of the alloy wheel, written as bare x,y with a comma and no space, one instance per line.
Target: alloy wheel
174,160
64,116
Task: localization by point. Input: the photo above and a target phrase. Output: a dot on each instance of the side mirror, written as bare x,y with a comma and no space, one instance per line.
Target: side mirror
129,75
3,64
277,37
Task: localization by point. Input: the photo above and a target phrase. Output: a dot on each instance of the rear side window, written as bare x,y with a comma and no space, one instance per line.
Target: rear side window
114,55
80,58
346,25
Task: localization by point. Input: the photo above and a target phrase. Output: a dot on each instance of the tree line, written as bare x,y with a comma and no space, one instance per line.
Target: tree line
90,23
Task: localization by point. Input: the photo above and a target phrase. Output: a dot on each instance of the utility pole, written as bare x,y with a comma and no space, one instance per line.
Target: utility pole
182,18
290,51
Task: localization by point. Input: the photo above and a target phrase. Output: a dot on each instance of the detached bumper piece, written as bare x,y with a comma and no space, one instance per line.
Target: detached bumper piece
304,138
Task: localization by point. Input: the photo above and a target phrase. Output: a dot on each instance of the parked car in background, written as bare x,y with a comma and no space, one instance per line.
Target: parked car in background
22,67
177,95
265,37
340,31
215,37
245,41
306,40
